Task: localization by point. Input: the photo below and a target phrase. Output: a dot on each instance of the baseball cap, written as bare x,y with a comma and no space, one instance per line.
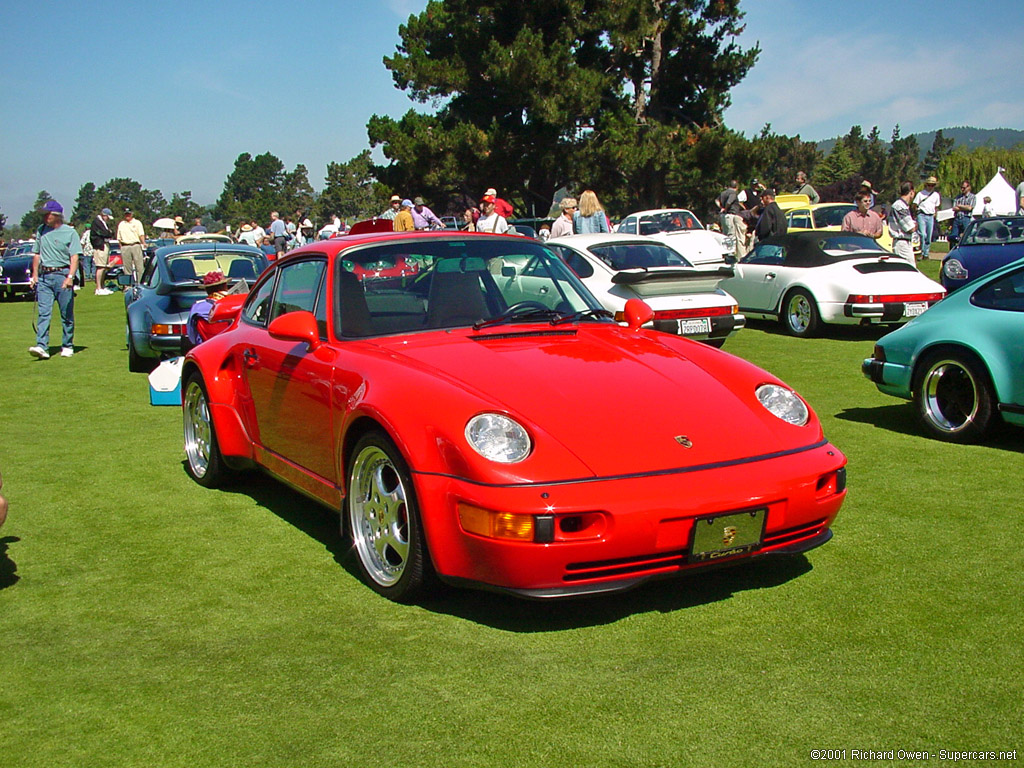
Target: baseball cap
52,206
487,199
107,212
492,192
407,203
418,201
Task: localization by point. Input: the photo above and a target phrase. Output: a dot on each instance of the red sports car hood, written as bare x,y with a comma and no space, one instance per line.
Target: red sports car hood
621,402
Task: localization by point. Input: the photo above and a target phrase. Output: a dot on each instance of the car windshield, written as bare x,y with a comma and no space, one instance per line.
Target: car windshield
831,216
843,244
995,231
638,255
669,221
189,268
416,285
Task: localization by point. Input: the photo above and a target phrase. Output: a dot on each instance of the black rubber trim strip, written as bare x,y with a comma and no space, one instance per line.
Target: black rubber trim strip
636,475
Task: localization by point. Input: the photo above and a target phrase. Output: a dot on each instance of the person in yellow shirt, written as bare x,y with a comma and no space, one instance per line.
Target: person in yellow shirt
132,238
403,221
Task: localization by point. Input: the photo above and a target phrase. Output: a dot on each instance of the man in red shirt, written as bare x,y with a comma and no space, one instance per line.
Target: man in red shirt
863,221
501,207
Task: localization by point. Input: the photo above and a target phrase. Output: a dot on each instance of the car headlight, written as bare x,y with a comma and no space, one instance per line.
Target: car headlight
498,438
954,270
783,403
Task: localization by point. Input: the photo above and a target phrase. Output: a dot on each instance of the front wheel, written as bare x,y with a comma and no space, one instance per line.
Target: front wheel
203,459
800,313
954,399
384,520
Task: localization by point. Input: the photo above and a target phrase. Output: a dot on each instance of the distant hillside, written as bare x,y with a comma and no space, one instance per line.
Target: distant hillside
963,136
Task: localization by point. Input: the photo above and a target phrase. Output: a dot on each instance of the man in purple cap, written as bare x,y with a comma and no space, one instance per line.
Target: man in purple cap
56,250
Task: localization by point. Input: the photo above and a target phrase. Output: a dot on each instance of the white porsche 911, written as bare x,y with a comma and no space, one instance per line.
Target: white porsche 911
681,229
686,301
804,279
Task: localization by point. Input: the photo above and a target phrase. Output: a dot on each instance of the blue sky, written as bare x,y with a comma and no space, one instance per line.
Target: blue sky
169,95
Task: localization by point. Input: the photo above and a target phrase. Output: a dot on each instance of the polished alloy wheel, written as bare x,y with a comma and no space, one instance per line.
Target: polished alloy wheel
198,429
800,315
950,396
379,516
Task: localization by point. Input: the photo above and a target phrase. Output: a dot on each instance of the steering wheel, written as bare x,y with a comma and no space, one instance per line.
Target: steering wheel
528,304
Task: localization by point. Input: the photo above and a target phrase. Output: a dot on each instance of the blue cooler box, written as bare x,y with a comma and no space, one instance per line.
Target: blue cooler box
165,383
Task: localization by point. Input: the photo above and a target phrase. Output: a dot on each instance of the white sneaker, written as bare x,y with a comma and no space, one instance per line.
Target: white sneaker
39,352
103,291
66,352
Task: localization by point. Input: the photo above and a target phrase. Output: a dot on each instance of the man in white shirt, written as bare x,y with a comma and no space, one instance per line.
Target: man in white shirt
901,223
490,221
927,203
562,226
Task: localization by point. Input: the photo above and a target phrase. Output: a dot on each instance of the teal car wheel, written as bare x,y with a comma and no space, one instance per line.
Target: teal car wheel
954,398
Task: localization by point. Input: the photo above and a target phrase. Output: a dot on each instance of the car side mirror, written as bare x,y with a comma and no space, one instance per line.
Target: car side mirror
296,326
637,313
730,258
508,271
124,279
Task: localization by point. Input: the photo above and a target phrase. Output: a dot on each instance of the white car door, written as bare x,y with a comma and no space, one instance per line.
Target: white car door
761,277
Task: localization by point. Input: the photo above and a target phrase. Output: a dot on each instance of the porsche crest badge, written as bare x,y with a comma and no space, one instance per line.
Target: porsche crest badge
684,441
728,535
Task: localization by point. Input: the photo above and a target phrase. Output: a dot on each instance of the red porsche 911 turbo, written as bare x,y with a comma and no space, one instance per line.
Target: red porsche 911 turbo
483,420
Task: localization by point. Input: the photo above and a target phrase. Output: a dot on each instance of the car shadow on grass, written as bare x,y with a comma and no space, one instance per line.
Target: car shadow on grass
8,568
855,333
901,417
513,614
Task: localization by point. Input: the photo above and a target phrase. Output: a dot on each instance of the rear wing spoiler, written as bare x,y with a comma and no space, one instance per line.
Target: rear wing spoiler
662,274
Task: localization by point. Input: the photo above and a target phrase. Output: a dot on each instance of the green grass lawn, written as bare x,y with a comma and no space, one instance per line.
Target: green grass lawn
147,621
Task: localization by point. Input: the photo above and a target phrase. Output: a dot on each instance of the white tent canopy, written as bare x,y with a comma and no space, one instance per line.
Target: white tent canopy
1004,199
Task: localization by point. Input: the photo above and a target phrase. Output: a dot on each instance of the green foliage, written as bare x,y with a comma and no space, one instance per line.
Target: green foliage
775,159
32,220
838,166
252,190
351,191
181,204
979,165
3,223
296,192
902,163
941,147
85,205
547,94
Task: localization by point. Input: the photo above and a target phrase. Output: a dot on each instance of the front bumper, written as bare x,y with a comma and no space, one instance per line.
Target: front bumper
645,523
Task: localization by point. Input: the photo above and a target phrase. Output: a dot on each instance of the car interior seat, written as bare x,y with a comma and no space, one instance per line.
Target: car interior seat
242,269
455,298
355,314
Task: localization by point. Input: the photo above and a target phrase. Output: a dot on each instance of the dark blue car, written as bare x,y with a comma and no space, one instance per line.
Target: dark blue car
986,244
158,307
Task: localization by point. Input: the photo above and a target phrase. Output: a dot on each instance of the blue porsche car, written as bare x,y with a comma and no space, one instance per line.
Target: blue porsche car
962,361
985,245
158,306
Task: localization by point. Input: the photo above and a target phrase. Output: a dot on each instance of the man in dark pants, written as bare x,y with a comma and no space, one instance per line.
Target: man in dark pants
56,250
773,220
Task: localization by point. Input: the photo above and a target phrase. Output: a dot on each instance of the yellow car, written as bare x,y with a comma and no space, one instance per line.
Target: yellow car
802,215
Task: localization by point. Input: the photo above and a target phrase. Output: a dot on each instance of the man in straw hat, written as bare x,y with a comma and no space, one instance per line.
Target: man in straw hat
56,250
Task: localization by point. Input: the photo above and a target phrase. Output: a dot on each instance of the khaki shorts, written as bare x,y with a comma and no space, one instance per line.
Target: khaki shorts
101,257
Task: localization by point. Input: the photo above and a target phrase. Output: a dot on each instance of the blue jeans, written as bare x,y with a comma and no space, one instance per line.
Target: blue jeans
88,267
48,290
960,222
926,228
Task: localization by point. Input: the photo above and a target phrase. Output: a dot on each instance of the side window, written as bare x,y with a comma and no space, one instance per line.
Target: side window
800,219
298,285
1006,293
257,308
765,254
575,262
628,226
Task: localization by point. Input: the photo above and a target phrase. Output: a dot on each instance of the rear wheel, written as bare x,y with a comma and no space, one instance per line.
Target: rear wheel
203,459
954,398
384,520
800,313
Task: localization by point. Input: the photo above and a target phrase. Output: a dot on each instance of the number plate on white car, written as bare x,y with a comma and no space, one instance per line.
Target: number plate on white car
727,535
695,326
913,309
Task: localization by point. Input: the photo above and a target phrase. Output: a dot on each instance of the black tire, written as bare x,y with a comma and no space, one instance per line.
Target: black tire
384,522
799,314
136,362
203,460
953,397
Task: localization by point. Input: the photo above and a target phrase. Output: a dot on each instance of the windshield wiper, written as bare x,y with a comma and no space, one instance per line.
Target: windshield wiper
522,312
583,314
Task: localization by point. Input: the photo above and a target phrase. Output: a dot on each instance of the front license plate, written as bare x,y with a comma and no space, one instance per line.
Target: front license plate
728,535
914,309
695,326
